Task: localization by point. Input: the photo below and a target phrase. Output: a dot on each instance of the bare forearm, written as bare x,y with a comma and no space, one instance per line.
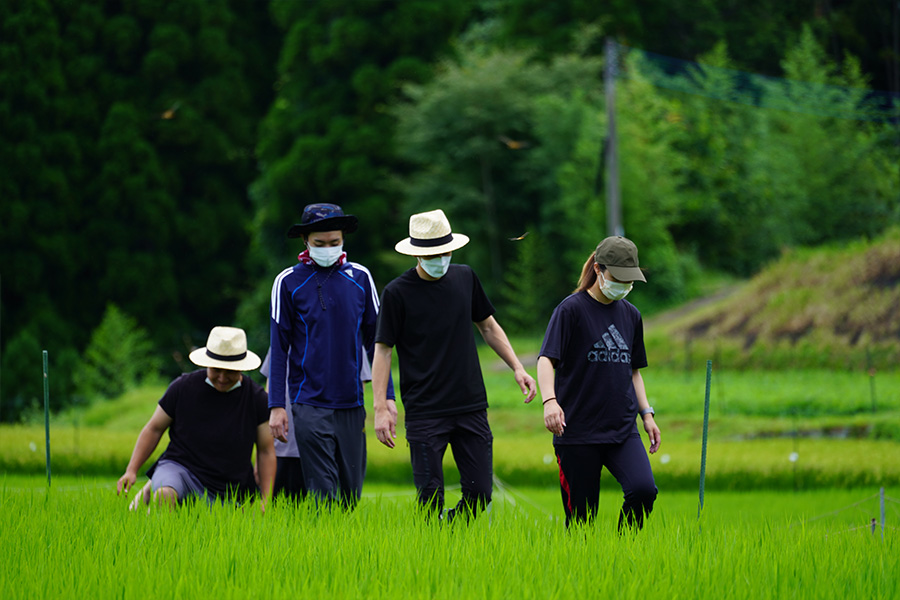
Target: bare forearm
146,443
381,370
266,465
640,391
546,378
496,338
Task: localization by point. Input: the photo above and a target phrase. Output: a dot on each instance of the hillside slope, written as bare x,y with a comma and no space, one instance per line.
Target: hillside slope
833,307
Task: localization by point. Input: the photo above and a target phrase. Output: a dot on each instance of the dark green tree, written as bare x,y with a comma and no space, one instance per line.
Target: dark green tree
329,136
488,134
756,32
124,166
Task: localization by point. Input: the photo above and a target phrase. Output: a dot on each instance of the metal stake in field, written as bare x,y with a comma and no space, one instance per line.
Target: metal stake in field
871,371
47,413
705,436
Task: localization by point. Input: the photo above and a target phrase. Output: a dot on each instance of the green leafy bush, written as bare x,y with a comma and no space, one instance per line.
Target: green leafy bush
119,356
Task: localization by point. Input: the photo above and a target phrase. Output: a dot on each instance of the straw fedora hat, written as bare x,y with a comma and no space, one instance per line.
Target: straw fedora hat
430,234
226,348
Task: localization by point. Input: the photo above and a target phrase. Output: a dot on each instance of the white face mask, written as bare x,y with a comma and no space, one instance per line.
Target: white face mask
614,290
327,256
435,266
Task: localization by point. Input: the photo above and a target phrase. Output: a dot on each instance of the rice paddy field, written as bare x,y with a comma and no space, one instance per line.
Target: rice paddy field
796,462
78,540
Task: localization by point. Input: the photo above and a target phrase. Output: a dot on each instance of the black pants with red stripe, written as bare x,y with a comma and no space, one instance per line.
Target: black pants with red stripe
579,479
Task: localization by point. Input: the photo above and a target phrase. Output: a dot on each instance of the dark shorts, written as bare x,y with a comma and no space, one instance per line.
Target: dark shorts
168,473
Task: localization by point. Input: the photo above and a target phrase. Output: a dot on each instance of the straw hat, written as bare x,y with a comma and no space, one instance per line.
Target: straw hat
429,234
226,348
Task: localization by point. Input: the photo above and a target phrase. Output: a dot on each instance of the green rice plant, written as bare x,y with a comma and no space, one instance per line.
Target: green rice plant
527,458
806,392
79,541
73,450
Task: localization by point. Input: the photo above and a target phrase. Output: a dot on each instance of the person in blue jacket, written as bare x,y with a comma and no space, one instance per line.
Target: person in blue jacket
289,471
323,317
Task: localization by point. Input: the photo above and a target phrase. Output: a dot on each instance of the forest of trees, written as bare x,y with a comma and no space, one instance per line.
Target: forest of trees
154,153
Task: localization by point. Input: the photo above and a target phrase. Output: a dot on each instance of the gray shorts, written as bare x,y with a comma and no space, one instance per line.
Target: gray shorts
169,473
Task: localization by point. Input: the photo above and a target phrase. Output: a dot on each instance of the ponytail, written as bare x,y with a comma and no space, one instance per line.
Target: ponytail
588,276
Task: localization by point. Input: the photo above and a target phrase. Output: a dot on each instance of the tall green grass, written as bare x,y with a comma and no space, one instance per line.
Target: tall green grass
757,420
527,458
79,541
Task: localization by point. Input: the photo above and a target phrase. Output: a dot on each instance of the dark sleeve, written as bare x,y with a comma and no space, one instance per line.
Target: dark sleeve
390,318
371,319
260,401
170,399
639,354
370,313
481,304
280,329
556,338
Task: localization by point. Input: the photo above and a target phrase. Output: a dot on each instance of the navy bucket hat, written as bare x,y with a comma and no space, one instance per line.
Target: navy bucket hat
323,217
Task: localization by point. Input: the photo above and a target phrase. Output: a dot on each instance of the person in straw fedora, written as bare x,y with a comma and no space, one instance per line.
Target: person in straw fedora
322,332
214,415
427,315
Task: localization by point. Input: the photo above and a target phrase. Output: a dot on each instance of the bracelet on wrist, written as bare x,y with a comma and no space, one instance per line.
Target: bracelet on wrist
548,400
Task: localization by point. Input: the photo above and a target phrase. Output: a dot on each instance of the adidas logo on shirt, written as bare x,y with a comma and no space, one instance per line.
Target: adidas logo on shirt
611,348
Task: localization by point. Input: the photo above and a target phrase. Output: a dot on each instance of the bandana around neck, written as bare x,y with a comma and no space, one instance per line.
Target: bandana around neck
306,259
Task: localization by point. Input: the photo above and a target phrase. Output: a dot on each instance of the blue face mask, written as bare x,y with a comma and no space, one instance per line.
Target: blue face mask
435,266
325,257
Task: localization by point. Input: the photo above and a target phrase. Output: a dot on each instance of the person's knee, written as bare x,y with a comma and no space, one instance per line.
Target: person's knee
642,495
166,495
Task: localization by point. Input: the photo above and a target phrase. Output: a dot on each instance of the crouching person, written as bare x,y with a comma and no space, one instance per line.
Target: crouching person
214,417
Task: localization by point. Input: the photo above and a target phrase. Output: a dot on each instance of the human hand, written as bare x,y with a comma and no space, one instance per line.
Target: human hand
125,482
653,432
526,384
279,423
554,418
386,423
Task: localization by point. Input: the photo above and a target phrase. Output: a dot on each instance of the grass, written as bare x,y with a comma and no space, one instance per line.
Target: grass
828,307
77,540
526,458
758,419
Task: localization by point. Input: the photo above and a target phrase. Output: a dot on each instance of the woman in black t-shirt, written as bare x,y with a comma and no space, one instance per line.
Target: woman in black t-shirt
592,390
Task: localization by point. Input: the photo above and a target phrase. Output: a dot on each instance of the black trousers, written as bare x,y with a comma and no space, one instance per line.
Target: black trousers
289,478
332,445
471,441
579,479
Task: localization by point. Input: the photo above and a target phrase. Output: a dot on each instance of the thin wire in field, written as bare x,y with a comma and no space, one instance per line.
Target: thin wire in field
835,512
509,494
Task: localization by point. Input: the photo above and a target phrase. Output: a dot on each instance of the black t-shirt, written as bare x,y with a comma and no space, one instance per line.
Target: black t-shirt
212,432
596,346
430,324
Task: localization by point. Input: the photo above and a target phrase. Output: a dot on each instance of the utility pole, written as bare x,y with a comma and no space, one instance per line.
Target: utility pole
613,199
